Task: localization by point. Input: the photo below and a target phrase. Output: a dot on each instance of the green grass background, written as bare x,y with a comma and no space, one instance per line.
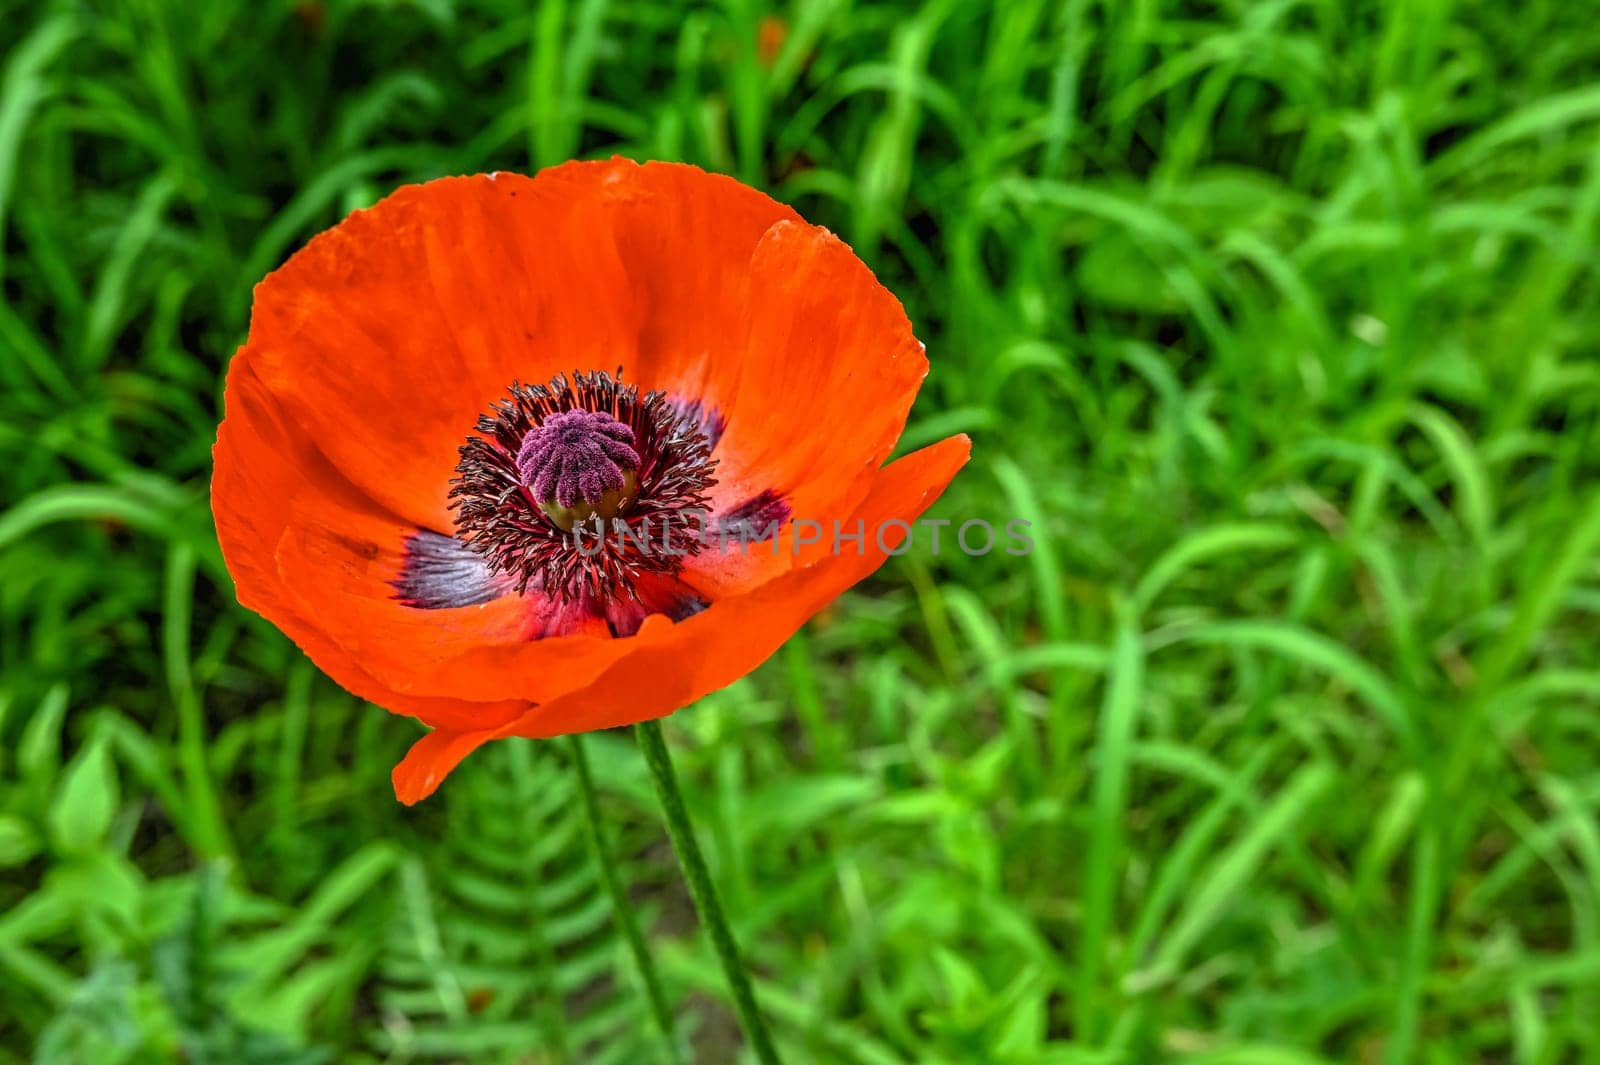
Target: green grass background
1281,323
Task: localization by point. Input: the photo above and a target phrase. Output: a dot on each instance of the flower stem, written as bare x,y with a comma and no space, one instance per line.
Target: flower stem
701,889
620,905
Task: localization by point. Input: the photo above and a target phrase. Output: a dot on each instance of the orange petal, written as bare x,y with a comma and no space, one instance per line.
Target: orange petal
685,239
431,759
387,336
263,464
828,368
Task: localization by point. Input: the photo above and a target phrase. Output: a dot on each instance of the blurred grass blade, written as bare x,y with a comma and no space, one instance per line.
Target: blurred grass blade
1104,857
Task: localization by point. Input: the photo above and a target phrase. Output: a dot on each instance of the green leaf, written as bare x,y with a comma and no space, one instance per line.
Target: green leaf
18,841
86,801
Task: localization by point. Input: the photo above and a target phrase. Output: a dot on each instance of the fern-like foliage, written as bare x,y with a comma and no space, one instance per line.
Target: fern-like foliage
504,946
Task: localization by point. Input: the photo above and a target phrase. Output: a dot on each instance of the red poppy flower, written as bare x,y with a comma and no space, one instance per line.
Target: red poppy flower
439,395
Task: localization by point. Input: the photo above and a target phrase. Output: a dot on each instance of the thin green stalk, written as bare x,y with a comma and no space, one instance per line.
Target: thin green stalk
701,889
659,1008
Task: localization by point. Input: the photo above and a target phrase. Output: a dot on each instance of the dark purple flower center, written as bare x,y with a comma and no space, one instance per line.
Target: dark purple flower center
583,488
578,465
